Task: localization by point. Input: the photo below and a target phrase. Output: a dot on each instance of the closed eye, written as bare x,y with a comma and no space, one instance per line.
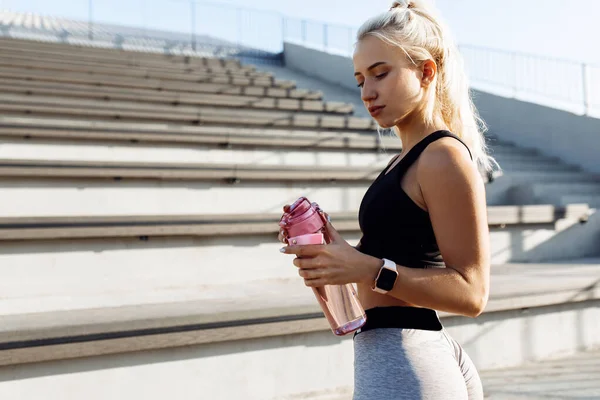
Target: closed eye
380,76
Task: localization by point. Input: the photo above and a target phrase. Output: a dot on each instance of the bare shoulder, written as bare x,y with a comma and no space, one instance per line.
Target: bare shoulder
446,160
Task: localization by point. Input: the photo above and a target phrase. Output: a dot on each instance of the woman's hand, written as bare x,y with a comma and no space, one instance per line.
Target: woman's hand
336,263
282,237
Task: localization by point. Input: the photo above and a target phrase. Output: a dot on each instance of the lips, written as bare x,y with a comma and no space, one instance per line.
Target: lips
375,110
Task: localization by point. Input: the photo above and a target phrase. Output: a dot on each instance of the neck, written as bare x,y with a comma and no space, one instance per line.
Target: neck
413,129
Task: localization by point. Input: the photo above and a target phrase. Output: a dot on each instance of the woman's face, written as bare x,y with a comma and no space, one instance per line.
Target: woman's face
391,87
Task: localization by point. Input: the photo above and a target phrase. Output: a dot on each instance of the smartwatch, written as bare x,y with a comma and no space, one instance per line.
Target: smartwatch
386,278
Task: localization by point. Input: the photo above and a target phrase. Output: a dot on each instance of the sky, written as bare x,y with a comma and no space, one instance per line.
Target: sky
554,28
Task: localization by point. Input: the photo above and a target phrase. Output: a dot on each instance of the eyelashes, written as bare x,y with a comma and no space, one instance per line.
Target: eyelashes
379,77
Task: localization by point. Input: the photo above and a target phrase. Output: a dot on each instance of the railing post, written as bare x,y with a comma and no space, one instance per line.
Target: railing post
239,24
513,58
585,75
283,28
90,19
350,41
145,18
193,16
303,26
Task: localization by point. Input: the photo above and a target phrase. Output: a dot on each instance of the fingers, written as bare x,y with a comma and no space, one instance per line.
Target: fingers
307,263
282,237
310,274
333,233
306,250
314,282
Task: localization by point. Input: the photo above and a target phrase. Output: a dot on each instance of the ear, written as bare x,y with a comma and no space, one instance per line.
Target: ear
429,71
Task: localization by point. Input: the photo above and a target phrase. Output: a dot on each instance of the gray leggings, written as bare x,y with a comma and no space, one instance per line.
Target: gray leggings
412,364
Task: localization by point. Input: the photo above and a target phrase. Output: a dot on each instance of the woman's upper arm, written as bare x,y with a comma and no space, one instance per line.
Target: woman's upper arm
455,196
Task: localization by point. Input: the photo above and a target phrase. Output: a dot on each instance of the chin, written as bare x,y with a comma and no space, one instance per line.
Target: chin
385,124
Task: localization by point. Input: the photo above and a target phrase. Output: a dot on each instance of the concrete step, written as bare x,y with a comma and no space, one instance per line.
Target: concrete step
123,128
592,199
214,225
535,164
276,342
102,79
117,187
87,270
96,54
66,61
560,176
81,108
182,93
134,74
509,151
76,65
218,137
516,234
78,151
551,192
239,139
574,376
566,187
108,197
173,98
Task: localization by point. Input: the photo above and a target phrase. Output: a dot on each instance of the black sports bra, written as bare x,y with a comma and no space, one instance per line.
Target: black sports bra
392,225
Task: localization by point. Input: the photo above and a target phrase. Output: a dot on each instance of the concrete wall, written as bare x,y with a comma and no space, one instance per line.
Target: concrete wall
328,67
574,139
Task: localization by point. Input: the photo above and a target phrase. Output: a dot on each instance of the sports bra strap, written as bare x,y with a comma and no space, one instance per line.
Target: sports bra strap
416,151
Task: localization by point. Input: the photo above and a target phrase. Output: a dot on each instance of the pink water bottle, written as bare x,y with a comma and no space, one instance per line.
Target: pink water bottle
304,225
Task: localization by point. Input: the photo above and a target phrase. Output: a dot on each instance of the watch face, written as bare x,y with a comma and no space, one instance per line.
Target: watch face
386,279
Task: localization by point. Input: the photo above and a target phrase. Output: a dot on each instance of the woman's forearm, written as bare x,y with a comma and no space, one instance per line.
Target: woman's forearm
442,289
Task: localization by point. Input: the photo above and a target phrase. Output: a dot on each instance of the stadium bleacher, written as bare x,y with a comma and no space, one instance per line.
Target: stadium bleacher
130,180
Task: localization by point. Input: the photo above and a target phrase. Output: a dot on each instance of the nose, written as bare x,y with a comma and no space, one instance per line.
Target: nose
368,93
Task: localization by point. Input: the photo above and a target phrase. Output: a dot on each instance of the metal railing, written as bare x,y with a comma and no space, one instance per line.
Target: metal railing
559,83
550,81
199,27
173,26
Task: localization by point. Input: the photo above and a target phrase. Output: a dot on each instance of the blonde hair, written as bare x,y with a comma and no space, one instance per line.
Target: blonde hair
414,27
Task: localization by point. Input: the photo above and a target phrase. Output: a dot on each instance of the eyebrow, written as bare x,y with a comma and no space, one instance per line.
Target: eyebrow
377,64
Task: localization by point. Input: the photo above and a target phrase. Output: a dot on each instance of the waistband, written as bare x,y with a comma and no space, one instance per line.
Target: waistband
401,317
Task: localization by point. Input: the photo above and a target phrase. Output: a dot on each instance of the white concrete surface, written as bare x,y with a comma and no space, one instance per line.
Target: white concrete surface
68,197
105,197
592,199
15,149
555,193
573,377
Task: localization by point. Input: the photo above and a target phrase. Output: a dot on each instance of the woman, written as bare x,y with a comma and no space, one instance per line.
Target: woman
425,240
